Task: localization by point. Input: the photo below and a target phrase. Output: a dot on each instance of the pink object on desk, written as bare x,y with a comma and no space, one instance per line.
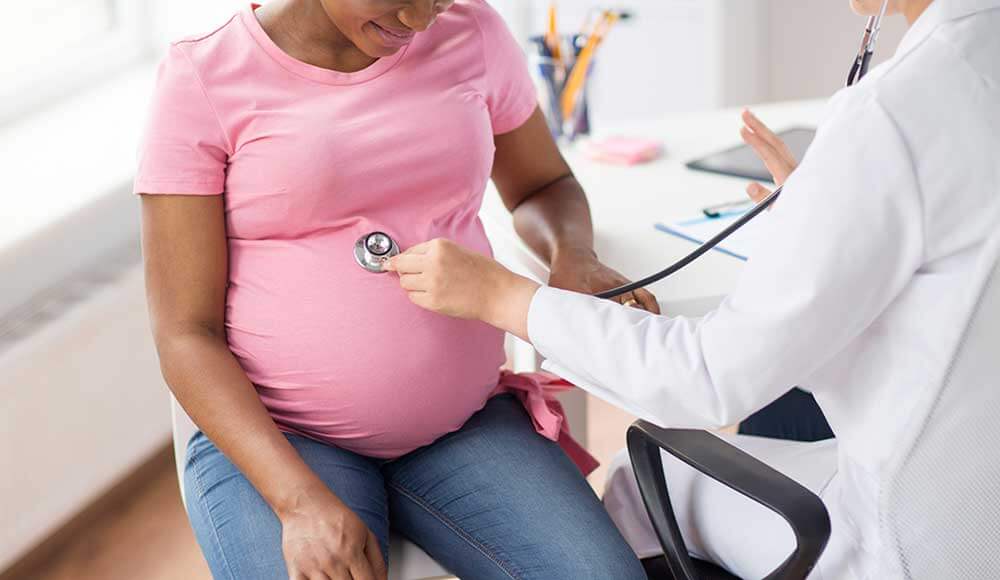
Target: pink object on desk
624,150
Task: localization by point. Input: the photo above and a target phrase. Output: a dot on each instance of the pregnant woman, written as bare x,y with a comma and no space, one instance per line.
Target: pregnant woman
330,407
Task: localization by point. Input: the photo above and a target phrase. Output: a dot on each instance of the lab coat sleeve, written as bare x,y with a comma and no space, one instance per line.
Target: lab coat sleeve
845,238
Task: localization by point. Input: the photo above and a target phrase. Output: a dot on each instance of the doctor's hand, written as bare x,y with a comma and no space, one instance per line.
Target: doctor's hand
581,271
446,278
443,277
772,151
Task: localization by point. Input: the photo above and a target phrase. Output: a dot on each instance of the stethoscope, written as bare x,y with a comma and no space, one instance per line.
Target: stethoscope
372,250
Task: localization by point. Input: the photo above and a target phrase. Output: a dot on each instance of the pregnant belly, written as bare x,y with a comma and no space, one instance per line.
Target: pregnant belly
341,355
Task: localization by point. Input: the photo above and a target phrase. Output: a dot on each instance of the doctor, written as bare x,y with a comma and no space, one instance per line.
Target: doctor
855,294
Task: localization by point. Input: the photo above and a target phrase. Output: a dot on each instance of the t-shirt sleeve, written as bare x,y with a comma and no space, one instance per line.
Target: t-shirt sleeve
183,149
510,91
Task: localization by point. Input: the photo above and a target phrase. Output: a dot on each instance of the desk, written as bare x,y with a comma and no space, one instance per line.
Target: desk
626,201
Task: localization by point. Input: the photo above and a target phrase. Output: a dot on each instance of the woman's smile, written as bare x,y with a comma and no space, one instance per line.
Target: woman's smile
392,37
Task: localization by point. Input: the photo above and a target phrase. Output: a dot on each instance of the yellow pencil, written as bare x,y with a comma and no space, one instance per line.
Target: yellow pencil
577,78
552,35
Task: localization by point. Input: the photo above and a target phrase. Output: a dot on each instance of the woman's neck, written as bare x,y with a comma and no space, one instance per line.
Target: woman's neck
304,30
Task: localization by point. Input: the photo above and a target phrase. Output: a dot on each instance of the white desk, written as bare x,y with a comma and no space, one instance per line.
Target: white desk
626,201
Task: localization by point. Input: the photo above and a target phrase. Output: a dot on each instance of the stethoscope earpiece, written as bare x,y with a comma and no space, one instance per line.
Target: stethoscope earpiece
372,250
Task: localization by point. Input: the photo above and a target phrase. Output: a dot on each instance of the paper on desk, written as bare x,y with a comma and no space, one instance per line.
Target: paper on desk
698,230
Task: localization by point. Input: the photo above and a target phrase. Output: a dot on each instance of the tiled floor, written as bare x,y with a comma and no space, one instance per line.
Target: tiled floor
149,538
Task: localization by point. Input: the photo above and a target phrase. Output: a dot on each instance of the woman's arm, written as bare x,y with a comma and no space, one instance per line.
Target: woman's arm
550,210
549,207
186,266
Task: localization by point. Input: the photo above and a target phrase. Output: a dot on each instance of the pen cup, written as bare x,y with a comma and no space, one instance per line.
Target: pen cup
551,77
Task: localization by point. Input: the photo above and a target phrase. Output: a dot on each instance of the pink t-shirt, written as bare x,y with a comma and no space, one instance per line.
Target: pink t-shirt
308,160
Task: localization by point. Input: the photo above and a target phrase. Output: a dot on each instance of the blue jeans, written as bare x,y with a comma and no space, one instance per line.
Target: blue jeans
491,500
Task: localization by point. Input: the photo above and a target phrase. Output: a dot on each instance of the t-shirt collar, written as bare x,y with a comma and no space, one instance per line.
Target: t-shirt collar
312,72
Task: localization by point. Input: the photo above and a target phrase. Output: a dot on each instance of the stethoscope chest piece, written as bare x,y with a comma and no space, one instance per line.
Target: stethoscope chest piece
372,250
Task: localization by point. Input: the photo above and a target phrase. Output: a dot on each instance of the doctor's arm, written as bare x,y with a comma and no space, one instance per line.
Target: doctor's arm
844,241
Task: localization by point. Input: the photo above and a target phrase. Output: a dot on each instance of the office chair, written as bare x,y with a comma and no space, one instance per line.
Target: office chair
407,561
738,470
939,511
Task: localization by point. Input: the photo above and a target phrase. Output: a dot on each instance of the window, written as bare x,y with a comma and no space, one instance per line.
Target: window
51,48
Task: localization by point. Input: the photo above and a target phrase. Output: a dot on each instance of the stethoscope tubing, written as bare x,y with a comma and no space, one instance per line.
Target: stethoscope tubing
697,253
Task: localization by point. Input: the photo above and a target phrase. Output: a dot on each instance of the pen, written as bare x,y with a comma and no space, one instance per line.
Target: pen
718,210
578,76
547,70
552,39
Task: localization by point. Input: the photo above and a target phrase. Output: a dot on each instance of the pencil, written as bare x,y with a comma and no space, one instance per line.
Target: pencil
577,78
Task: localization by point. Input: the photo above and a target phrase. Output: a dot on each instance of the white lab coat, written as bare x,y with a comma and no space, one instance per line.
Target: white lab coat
856,295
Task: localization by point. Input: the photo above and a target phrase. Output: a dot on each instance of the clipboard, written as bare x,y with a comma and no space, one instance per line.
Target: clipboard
698,230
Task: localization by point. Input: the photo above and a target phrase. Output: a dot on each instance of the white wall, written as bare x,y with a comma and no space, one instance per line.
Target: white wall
694,54
675,55
811,44
176,19
84,402
740,51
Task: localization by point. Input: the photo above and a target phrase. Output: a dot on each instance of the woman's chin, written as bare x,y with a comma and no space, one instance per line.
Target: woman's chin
872,7
376,49
376,45
862,7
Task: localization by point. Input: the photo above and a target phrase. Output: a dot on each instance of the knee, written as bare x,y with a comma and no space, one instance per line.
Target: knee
611,559
598,552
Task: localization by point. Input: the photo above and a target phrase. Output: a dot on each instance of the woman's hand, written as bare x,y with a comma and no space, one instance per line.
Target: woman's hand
443,277
581,271
772,151
322,539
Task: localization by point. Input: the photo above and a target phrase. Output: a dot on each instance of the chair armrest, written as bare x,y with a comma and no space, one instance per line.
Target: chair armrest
802,509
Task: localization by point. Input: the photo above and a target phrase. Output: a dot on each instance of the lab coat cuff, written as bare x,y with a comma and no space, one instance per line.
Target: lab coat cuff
545,329
540,318
548,312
